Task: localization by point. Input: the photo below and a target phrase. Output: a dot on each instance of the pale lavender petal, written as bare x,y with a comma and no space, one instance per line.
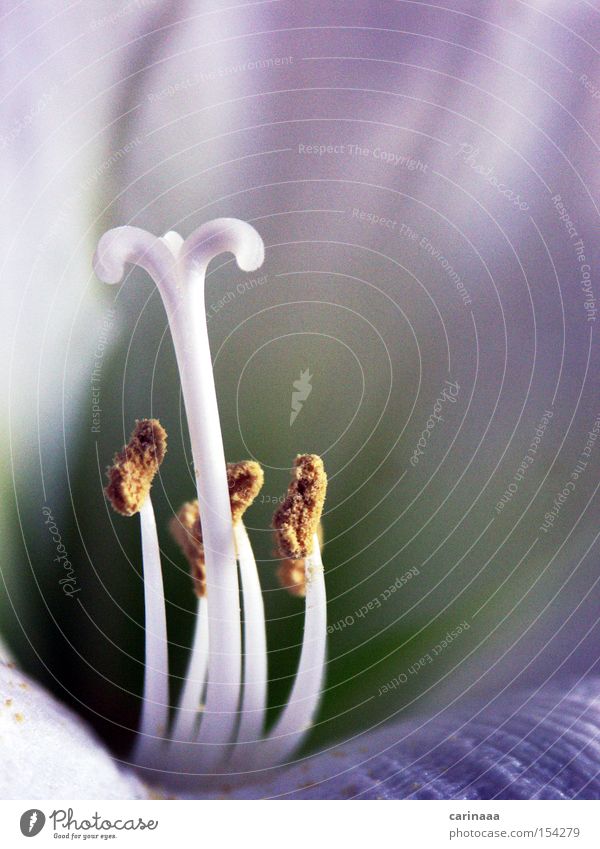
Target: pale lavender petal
47,752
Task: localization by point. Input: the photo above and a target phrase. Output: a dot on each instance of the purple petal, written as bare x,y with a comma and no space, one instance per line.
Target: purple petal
541,745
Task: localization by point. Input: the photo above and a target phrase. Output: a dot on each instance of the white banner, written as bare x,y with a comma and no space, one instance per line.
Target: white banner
351,825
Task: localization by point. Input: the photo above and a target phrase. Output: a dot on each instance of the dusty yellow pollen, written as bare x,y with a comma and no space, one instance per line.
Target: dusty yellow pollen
297,519
187,533
244,480
291,575
131,475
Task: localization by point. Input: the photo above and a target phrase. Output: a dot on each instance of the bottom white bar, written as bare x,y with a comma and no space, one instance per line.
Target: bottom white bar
352,825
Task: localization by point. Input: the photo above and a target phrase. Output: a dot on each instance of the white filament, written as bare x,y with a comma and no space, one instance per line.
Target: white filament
155,704
296,719
254,690
186,718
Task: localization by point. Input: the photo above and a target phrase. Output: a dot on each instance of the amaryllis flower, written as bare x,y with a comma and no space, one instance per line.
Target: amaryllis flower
424,177
215,743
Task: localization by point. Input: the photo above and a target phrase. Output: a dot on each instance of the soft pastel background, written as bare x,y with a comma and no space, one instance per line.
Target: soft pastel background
164,115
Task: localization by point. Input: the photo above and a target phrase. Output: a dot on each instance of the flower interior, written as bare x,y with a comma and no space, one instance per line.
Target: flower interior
218,724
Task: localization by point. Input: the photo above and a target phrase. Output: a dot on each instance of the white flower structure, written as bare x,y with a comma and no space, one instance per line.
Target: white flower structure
49,753
218,725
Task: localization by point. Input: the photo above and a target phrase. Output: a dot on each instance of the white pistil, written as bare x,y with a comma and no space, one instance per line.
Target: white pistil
155,704
179,270
187,716
296,719
254,691
224,667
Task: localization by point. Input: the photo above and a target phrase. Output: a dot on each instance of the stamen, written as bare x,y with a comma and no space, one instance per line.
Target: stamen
297,519
300,514
244,481
291,572
130,477
187,532
155,704
292,577
296,719
128,490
